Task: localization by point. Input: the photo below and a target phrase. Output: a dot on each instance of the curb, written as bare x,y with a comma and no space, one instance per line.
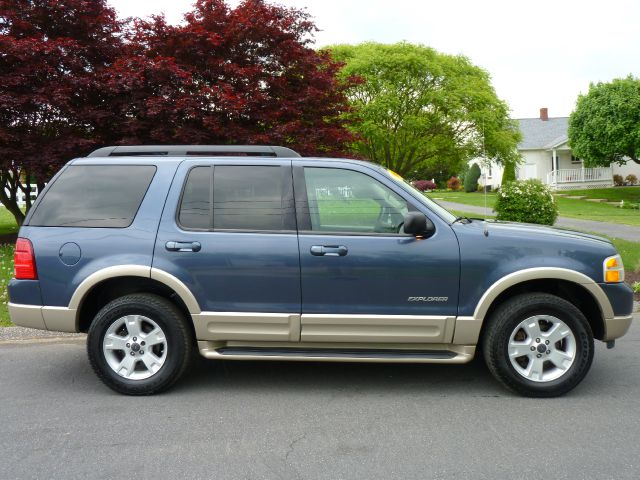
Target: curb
21,335
39,341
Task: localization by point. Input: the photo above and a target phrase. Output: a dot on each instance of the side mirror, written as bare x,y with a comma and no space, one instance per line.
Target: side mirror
416,223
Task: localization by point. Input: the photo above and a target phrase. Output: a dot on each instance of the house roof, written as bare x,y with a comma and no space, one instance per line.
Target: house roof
538,134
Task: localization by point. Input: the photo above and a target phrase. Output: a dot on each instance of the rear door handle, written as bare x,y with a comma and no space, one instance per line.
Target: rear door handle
183,246
329,250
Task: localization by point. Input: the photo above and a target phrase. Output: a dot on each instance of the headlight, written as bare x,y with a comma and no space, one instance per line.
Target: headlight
613,270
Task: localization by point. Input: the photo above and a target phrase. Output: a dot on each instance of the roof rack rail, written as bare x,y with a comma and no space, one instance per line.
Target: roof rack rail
194,150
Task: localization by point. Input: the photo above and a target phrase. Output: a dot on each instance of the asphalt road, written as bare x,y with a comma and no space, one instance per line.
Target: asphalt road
314,421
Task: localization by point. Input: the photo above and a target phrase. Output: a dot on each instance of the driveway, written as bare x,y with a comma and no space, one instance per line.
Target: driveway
246,420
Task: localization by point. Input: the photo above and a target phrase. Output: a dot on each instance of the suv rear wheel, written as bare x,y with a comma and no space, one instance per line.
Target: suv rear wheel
139,344
538,345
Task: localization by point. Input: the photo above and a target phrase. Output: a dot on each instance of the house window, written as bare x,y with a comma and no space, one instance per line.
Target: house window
575,161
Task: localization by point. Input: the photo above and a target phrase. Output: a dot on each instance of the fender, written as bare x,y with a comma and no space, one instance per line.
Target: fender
467,329
134,271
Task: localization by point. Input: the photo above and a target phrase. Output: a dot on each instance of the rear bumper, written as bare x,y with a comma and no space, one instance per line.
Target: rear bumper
59,319
616,327
27,315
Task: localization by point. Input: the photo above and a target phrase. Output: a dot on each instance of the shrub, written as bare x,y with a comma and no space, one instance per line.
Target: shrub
629,205
509,173
631,179
453,183
464,169
529,201
424,185
618,181
471,178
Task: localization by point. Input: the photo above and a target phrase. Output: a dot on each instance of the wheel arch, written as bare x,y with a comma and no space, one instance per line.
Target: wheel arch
111,282
570,285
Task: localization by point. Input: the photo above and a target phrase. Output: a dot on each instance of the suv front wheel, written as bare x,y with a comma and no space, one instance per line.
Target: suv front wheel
139,344
538,345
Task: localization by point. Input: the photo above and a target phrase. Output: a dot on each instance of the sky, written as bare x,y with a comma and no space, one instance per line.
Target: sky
539,53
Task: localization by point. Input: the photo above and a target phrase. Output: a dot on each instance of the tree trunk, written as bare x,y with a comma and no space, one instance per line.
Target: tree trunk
9,188
14,209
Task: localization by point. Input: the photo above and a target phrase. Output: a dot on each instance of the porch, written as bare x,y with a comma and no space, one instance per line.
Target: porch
576,178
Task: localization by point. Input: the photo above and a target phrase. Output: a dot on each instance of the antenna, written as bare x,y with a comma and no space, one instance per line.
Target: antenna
486,165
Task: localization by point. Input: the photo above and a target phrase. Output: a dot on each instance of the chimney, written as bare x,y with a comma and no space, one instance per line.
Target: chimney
544,114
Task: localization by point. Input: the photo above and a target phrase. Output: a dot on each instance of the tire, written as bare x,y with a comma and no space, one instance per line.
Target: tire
561,356
157,357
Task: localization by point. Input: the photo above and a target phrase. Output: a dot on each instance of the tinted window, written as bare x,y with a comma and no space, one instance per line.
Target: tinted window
195,208
347,201
94,196
251,198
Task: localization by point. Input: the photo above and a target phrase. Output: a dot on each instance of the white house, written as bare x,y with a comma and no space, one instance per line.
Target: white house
546,155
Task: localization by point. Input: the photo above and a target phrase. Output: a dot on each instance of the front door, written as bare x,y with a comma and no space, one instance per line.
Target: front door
228,233
363,279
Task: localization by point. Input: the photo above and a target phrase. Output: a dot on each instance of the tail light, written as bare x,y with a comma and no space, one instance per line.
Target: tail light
24,260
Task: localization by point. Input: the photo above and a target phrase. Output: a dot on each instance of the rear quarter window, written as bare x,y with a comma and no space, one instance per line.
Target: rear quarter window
94,196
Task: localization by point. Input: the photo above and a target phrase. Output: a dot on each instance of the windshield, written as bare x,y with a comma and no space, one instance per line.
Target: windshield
433,206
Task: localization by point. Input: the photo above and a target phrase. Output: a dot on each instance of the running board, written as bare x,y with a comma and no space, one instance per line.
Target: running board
457,354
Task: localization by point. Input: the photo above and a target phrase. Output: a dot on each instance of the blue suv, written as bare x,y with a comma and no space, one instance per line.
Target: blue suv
248,253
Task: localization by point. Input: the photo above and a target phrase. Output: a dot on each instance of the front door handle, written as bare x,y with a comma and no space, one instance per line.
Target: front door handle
183,246
329,250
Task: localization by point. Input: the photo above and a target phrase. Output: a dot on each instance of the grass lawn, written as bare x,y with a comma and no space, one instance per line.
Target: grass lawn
352,212
7,225
630,252
7,222
628,194
568,207
475,198
460,213
6,272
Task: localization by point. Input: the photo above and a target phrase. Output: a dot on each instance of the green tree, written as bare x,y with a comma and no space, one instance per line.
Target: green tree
509,173
471,178
415,109
605,126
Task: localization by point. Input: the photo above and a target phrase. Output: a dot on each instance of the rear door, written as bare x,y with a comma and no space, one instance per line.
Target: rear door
363,279
228,233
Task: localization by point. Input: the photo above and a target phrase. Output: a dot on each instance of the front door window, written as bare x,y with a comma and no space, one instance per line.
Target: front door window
351,202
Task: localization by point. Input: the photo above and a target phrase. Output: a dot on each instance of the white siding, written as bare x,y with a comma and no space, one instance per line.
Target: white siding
540,158
626,169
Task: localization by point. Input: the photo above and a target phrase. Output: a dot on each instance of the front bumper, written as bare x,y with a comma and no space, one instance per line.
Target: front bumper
620,296
58,319
616,327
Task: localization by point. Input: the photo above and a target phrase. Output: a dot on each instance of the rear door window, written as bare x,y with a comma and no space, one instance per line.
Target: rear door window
94,196
249,198
252,198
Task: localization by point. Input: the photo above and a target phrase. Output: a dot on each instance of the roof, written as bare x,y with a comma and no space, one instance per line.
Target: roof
538,134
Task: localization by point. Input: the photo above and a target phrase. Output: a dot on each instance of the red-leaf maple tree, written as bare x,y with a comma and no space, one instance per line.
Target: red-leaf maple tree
50,53
73,78
243,75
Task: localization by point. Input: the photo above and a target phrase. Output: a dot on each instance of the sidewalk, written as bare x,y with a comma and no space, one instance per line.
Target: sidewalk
616,230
